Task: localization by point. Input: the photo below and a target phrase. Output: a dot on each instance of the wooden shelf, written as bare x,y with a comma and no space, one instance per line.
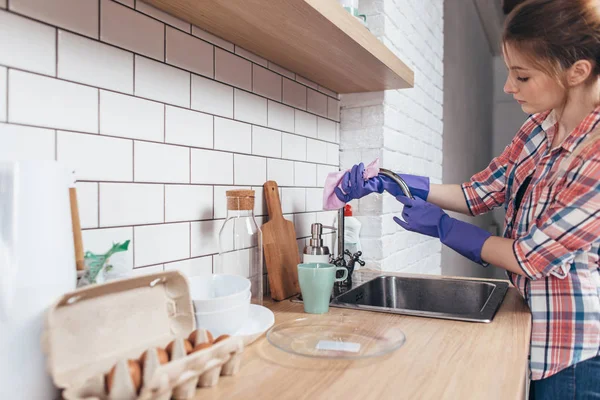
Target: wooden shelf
317,39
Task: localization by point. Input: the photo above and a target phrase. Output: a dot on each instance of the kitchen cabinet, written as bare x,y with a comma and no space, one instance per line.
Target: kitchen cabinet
316,39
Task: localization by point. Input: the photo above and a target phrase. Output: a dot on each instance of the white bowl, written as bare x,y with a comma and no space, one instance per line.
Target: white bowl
218,292
226,321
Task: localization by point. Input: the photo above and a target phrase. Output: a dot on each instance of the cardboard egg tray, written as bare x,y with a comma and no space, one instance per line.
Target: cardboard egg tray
92,329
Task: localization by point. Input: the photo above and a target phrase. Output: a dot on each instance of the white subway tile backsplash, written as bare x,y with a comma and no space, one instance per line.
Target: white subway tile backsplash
87,203
251,56
326,129
162,16
305,174
146,270
160,82
266,83
233,135
188,202
302,223
38,100
294,94
27,44
333,109
316,103
249,170
316,151
201,266
293,147
209,37
128,116
307,82
205,237
96,158
188,127
190,53
322,171
314,199
250,108
212,167
293,200
233,69
281,117
131,204
131,30
93,63
266,142
155,162
281,70
333,154
327,91
161,243
17,143
306,124
212,97
79,16
99,241
280,171
3,93
260,206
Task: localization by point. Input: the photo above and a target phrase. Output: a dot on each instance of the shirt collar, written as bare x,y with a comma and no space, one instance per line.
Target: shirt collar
548,125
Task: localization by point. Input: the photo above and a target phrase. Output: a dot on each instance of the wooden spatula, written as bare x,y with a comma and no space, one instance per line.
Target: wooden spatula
280,247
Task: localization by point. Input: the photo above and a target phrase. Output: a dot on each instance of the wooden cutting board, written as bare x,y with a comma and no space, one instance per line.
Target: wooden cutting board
280,247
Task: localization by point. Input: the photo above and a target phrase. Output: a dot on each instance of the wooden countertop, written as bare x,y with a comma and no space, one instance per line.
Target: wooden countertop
441,359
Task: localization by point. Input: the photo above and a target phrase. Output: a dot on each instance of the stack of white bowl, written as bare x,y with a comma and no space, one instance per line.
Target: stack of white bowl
221,302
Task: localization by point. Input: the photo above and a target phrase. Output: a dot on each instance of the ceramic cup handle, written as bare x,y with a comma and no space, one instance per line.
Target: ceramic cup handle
344,274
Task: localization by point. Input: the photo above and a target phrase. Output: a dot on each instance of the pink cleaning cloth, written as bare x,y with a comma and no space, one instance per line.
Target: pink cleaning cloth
334,179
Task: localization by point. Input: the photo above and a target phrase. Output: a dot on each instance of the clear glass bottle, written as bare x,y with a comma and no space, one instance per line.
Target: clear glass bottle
240,242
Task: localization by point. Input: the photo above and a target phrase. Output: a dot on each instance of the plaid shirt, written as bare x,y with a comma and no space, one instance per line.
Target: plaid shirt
557,236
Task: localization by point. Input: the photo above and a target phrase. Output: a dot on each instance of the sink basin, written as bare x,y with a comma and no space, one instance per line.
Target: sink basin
464,300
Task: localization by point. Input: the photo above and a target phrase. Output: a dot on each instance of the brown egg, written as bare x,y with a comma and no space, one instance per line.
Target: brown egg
222,337
163,357
135,372
201,346
194,335
188,346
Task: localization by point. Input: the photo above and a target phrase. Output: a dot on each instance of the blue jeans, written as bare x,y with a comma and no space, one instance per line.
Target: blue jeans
580,381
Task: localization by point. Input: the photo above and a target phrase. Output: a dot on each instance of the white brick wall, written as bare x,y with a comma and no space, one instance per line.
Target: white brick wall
401,127
159,118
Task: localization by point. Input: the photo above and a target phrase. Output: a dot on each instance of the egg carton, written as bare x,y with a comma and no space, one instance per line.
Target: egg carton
91,330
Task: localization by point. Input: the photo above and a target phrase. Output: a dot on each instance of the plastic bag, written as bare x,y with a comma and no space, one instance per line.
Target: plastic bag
100,267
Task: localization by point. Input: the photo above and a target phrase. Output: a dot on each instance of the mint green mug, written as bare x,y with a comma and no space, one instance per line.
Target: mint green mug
316,284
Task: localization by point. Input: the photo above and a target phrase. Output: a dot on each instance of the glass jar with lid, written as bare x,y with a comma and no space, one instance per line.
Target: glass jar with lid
240,242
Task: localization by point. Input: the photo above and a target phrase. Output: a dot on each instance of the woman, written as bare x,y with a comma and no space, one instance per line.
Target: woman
548,180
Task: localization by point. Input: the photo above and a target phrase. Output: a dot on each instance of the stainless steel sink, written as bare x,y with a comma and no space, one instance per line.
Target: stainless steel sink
465,300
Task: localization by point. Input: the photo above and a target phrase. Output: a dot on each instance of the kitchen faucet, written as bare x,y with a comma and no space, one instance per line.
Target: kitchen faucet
340,260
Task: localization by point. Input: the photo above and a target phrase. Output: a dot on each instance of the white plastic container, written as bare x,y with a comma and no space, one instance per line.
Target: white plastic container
351,231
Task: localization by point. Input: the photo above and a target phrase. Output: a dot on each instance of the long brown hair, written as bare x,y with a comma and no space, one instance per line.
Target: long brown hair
554,34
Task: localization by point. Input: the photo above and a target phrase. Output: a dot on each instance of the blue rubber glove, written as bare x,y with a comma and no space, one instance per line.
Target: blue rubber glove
429,219
354,186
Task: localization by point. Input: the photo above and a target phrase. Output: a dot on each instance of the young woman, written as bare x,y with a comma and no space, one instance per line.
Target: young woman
548,180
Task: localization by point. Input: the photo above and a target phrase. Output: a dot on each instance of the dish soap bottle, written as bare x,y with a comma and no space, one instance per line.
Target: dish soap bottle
315,252
351,231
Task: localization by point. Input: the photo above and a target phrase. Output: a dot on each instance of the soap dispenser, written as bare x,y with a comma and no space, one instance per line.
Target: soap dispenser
315,252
